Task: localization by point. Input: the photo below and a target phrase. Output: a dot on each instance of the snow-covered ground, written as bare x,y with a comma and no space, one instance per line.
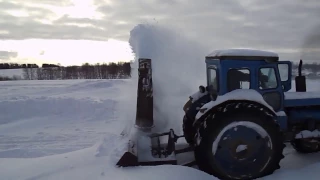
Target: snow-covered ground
71,129
44,118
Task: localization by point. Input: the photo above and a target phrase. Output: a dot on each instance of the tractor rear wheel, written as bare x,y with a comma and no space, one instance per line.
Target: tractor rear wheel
239,143
305,146
187,129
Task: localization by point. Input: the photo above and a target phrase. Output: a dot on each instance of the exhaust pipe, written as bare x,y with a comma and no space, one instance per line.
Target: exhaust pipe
300,80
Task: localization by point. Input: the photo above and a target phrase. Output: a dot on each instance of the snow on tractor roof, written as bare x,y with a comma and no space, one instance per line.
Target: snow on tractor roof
242,53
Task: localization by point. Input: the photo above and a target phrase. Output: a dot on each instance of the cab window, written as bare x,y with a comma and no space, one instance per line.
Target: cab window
267,78
213,82
238,79
284,71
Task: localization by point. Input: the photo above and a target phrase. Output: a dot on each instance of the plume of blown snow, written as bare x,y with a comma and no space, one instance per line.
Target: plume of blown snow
178,67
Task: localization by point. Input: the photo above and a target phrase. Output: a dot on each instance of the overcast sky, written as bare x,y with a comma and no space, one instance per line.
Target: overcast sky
31,29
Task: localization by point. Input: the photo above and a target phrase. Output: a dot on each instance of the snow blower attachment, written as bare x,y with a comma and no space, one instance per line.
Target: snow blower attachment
144,115
148,148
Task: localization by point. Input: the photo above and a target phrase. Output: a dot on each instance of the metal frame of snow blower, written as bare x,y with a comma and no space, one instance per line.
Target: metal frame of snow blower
159,154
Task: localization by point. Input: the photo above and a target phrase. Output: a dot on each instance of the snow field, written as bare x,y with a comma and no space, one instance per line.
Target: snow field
69,130
55,117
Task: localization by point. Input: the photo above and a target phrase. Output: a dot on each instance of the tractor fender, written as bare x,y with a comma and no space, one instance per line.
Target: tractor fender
197,95
194,98
235,95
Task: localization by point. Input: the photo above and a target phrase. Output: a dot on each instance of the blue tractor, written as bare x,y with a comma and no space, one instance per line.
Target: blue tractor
238,124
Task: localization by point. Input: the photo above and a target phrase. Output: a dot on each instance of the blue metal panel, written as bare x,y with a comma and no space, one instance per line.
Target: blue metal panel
302,102
299,115
282,121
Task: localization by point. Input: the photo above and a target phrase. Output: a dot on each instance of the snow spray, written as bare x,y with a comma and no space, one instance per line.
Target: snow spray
178,67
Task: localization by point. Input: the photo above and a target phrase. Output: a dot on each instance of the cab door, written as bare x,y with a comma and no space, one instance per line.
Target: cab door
270,86
285,70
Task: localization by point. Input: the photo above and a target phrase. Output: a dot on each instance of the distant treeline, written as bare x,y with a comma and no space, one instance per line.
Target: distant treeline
17,66
120,70
313,67
21,66
6,78
310,70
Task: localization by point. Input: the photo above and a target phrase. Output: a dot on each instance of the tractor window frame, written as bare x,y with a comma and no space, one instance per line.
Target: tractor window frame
209,70
275,75
228,78
281,73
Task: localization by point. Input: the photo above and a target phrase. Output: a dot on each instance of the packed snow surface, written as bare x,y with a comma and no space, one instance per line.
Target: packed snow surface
242,52
197,95
238,94
308,134
241,148
70,129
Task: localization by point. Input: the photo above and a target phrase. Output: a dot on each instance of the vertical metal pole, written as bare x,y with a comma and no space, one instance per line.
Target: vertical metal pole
144,116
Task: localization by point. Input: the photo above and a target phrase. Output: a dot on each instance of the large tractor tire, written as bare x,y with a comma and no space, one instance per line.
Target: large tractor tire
187,130
305,146
191,110
241,141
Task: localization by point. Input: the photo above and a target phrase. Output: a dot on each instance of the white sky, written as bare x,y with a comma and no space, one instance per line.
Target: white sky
65,52
68,52
79,31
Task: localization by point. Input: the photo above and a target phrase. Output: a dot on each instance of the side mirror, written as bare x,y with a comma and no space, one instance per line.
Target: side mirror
202,89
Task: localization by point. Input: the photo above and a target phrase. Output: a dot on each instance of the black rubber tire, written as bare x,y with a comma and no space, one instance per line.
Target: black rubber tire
187,130
301,147
210,128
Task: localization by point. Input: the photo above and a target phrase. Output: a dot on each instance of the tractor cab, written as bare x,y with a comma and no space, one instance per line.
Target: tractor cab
232,69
